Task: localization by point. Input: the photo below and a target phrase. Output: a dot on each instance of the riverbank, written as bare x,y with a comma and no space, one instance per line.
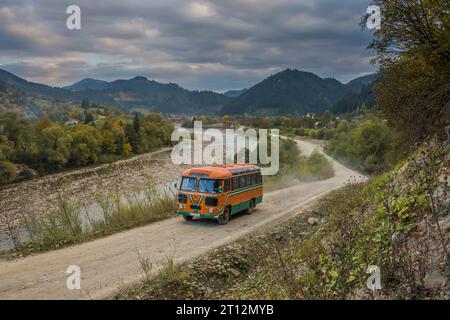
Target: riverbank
34,198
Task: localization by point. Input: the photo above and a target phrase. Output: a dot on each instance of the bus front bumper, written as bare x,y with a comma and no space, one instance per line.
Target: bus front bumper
200,215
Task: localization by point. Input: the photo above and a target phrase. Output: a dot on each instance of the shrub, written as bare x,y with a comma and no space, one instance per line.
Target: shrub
8,172
317,167
364,146
294,166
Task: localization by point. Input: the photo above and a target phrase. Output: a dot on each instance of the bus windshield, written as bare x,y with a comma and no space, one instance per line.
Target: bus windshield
188,184
209,186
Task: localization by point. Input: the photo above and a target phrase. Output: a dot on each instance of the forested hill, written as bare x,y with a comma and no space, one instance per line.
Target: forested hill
138,92
287,92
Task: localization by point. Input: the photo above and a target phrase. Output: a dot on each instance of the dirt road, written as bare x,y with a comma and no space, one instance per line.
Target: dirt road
109,263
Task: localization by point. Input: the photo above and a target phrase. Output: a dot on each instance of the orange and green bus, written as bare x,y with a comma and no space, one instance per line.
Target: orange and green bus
218,192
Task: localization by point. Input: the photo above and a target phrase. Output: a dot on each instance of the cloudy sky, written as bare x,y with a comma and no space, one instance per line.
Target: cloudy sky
216,45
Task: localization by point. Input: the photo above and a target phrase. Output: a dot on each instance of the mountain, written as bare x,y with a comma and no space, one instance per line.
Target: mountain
234,93
87,84
34,88
32,106
360,95
288,92
352,101
138,92
356,85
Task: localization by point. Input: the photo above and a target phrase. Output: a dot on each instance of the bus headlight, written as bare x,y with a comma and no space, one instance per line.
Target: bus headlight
211,201
210,210
180,206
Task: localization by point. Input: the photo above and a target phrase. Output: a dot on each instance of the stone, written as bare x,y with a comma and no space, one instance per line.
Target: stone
433,279
234,272
313,221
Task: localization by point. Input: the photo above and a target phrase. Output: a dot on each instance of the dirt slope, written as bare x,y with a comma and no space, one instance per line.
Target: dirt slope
109,263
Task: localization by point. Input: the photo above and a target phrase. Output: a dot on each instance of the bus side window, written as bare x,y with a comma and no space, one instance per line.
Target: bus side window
260,180
235,183
249,180
227,185
254,179
243,182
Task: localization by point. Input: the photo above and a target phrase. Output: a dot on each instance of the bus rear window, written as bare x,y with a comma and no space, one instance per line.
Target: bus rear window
209,185
188,184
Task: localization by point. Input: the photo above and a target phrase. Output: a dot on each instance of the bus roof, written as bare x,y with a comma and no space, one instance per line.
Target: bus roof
222,171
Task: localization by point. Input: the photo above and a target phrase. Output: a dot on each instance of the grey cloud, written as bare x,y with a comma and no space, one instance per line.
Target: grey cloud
213,45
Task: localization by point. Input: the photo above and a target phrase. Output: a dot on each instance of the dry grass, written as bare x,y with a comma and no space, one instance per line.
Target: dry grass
71,224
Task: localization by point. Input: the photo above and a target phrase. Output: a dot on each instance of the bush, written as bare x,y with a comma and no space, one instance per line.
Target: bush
294,166
316,167
364,146
8,172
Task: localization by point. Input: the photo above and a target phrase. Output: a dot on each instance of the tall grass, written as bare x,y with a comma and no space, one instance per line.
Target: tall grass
71,223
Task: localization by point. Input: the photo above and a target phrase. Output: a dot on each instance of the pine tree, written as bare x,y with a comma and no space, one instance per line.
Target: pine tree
88,117
85,104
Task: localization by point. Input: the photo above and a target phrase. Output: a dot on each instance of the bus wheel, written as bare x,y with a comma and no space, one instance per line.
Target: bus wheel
224,217
251,207
188,218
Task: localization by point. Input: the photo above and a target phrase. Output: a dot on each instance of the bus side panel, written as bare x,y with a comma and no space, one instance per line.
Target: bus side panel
241,201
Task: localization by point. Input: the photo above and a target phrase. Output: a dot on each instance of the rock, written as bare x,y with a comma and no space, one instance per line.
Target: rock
433,279
25,172
234,272
313,221
398,238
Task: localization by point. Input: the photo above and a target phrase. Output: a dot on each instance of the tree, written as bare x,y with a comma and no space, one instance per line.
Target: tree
123,147
413,48
226,122
413,99
136,123
414,28
88,117
43,123
132,137
76,114
8,172
85,145
6,147
19,132
49,147
133,133
364,146
85,104
55,148
108,142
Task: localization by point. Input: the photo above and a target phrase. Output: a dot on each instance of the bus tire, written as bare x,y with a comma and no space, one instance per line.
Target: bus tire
224,217
251,207
188,218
